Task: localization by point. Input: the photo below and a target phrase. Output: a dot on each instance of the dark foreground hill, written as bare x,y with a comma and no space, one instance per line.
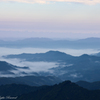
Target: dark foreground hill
12,91
17,89
63,91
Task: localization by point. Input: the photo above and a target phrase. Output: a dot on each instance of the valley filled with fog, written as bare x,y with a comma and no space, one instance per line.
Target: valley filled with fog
38,66
49,49
66,62
39,62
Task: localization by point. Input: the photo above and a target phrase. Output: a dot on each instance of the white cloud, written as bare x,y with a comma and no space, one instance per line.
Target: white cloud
90,2
33,66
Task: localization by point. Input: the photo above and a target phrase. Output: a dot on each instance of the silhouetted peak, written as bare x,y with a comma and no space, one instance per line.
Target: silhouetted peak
52,52
65,83
57,53
84,55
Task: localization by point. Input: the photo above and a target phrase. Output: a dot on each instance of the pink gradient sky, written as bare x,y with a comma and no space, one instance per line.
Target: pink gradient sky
49,18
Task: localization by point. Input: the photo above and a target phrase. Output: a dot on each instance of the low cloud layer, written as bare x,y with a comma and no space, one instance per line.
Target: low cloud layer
31,66
90,2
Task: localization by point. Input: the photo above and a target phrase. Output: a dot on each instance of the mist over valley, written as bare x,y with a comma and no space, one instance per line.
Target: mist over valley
49,49
54,63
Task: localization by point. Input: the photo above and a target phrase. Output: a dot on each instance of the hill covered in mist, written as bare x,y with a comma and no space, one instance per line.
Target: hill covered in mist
59,64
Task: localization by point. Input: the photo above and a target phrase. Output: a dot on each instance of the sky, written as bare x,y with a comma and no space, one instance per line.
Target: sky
49,18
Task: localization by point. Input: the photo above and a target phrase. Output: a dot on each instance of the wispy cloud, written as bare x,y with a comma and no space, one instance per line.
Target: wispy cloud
32,66
90,2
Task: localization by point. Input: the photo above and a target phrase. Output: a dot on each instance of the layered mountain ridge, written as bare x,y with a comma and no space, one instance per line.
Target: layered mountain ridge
91,43
67,67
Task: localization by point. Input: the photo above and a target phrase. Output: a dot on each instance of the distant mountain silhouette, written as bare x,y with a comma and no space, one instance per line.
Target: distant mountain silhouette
48,56
89,85
97,54
30,80
51,43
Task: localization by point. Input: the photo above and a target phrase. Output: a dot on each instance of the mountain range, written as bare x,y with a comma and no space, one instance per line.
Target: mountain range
63,91
26,83
90,43
89,85
66,90
96,54
30,80
74,68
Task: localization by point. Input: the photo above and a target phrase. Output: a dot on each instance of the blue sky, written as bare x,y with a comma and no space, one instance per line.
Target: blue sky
49,18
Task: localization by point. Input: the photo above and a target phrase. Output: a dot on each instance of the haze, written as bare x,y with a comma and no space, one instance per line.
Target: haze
49,18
